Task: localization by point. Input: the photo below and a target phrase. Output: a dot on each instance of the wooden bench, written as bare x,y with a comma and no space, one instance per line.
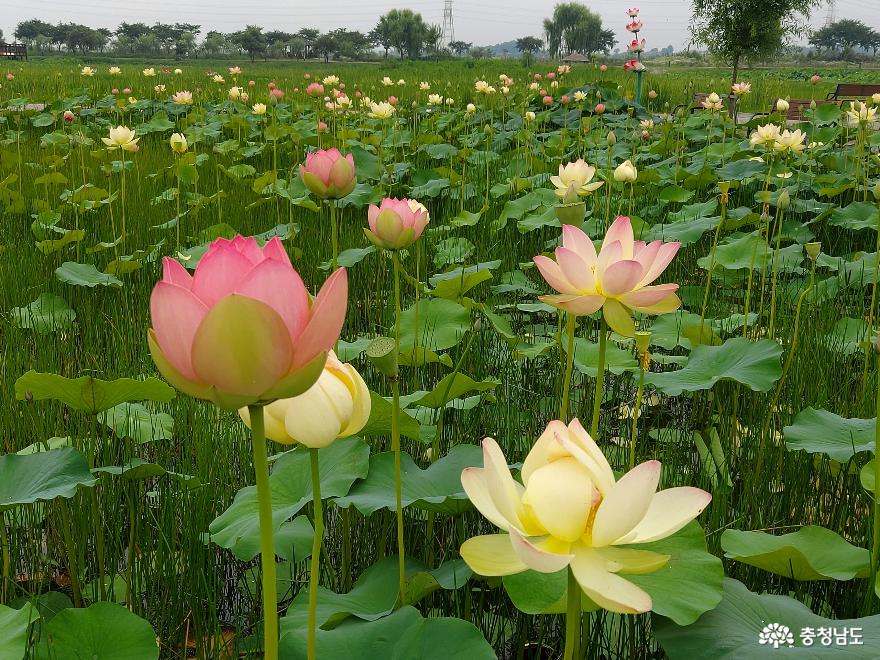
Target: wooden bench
796,108
13,51
853,91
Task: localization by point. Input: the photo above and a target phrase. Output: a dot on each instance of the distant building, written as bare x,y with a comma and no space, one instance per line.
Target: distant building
575,58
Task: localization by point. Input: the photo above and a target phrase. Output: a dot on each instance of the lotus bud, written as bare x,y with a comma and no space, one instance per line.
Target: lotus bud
612,138
783,201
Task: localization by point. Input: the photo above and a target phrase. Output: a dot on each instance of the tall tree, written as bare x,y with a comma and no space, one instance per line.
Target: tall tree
251,40
740,30
845,35
408,32
574,28
460,47
529,44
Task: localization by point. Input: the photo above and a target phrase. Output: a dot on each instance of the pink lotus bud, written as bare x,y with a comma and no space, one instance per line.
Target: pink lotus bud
600,108
243,329
322,127
315,89
68,116
341,85
10,75
564,99
652,94
327,173
815,78
307,76
396,223
271,85
645,135
537,76
542,92
251,83
392,100
551,75
358,94
603,68
548,100
114,91
126,91
276,95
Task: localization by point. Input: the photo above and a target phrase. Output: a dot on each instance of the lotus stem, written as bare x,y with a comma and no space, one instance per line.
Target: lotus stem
569,363
572,617
875,546
267,540
334,235
315,569
600,376
643,360
395,435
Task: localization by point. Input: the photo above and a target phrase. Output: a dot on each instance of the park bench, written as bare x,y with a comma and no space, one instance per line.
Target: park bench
13,51
796,108
846,91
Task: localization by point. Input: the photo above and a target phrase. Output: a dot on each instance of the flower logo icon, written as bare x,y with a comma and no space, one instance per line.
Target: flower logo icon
776,635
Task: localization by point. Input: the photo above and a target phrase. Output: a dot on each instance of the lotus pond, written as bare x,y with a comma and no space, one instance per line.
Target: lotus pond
604,386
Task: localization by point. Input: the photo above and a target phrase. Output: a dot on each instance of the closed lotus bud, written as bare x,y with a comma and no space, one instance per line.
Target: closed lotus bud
626,172
336,406
781,105
328,174
783,201
813,104
612,138
396,223
69,116
813,250
178,143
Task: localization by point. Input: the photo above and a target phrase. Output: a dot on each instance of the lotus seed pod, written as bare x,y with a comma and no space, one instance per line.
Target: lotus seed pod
643,340
813,249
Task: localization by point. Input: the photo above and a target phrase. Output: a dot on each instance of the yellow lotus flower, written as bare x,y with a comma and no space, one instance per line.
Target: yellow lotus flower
859,114
87,71
150,72
765,136
115,71
121,137
626,172
336,406
259,108
178,143
183,97
382,110
790,141
574,180
571,511
712,102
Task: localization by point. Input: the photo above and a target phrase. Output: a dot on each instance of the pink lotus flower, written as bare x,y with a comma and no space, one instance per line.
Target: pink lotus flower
396,223
68,116
271,85
633,65
114,91
551,75
636,46
328,174
548,100
243,329
10,76
600,108
652,94
634,26
322,127
632,12
276,95
815,78
127,90
315,89
603,68
615,280
537,76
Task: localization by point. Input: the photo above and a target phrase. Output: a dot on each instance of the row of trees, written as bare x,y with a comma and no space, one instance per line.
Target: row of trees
845,36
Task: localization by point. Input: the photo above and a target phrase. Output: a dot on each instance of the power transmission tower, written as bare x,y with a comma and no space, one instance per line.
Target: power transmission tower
448,26
829,14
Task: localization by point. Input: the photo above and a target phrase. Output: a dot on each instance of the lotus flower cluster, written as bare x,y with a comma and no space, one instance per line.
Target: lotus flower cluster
243,329
636,46
396,223
328,174
860,114
571,512
633,65
616,280
574,180
336,406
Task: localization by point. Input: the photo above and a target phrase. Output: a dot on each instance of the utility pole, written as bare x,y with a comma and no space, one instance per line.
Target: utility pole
448,35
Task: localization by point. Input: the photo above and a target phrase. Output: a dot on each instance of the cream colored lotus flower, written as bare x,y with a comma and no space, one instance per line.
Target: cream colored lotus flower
382,110
234,70
529,116
741,88
150,72
626,172
471,108
159,88
449,100
765,136
712,102
178,143
481,86
570,511
579,95
218,78
115,71
647,124
87,71
121,137
183,97
860,114
330,80
424,85
178,72
234,93
336,406
574,180
387,81
259,108
435,99
790,142
875,98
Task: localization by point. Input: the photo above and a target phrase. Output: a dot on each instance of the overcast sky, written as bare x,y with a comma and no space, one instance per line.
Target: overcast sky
483,22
